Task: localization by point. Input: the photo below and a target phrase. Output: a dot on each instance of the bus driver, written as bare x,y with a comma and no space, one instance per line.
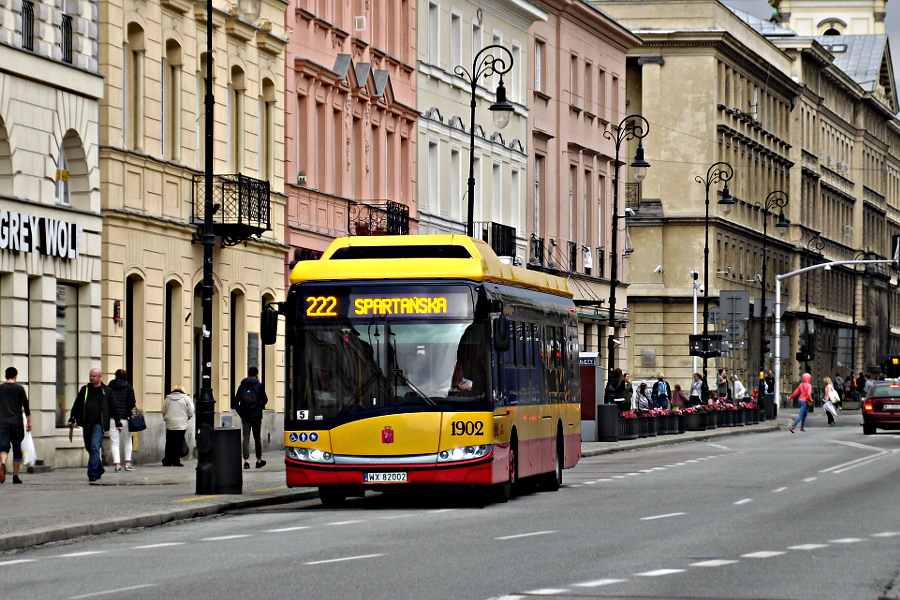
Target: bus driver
458,383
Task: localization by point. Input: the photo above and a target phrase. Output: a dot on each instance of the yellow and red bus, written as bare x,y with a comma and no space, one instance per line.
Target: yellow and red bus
427,360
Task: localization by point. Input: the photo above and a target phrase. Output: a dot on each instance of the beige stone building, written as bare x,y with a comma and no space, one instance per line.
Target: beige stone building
153,59
50,218
790,114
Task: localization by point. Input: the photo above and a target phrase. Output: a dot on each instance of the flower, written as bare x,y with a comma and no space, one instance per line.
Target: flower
627,414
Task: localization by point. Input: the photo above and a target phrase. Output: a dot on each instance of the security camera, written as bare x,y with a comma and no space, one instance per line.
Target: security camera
827,267
658,269
629,212
617,342
695,275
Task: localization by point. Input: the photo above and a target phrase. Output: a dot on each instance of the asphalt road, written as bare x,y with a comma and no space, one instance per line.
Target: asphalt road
767,516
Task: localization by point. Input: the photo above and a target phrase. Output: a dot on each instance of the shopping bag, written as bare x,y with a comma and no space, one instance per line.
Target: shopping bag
28,453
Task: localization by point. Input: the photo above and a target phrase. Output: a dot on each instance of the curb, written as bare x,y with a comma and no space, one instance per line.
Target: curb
668,440
15,541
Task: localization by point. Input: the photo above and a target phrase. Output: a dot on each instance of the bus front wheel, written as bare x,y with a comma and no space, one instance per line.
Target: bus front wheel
502,492
332,496
552,481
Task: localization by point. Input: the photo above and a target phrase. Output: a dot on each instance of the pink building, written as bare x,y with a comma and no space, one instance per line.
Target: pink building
349,121
577,93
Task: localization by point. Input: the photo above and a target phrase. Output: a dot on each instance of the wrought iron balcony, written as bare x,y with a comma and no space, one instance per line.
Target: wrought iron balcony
387,218
240,206
501,238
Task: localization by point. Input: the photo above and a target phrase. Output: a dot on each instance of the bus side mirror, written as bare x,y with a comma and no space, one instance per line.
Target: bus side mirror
269,325
501,333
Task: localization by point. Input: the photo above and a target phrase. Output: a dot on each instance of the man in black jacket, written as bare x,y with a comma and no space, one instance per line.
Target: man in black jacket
249,401
93,408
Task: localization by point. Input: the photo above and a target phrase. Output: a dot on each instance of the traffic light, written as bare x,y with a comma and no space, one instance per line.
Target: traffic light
892,369
805,354
767,346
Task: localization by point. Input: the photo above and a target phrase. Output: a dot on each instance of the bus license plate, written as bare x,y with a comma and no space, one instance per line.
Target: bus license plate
385,478
890,407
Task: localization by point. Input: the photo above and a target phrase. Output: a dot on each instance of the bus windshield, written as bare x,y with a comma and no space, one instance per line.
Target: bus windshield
352,366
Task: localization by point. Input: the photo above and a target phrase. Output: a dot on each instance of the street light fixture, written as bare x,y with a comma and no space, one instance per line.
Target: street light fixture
630,128
718,172
815,244
250,10
777,199
485,66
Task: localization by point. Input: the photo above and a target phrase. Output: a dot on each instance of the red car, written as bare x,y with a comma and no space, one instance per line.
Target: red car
881,410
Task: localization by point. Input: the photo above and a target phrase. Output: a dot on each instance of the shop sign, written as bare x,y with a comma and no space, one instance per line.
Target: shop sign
21,232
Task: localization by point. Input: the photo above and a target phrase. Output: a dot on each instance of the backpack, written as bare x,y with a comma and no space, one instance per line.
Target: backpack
248,397
661,390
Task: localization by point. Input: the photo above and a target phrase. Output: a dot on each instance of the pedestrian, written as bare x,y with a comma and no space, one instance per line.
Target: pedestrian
697,390
840,389
13,403
679,400
178,409
739,390
861,386
629,392
662,392
804,394
249,401
94,410
831,396
643,400
867,388
123,394
722,383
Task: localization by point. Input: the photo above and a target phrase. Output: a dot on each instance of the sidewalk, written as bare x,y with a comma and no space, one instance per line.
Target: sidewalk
61,505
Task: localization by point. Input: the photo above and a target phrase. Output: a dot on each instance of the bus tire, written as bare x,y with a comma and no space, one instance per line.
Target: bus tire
551,482
332,497
502,492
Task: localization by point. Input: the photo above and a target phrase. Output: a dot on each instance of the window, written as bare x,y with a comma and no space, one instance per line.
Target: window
476,39
450,205
455,41
236,92
496,193
133,97
267,130
539,51
65,41
573,192
516,74
62,179
575,98
589,87
28,25
172,343
434,29
67,376
171,101
515,199
434,184
538,179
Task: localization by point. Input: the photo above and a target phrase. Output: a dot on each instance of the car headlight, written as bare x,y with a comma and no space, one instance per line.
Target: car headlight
464,453
312,455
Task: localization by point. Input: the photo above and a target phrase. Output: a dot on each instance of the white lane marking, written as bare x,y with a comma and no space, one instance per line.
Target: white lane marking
396,517
658,469
713,563
879,453
283,529
763,554
508,598
659,572
219,538
116,591
631,474
161,545
598,582
884,534
678,514
845,540
346,558
681,464
344,522
17,561
441,510
590,482
808,479
776,490
808,547
548,591
719,446
522,535
691,461
647,471
618,477
744,501
604,480
87,553
576,485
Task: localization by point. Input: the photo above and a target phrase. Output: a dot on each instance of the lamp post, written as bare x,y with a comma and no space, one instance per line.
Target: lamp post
718,172
776,199
206,402
485,66
816,244
630,128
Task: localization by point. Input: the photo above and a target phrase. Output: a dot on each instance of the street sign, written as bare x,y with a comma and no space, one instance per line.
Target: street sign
757,305
713,316
705,346
735,304
735,345
780,329
734,329
785,347
812,325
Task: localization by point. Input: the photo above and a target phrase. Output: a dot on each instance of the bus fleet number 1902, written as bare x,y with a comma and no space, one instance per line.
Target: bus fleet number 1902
468,428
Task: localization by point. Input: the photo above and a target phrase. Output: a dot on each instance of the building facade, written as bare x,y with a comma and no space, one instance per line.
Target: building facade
152,159
50,212
350,119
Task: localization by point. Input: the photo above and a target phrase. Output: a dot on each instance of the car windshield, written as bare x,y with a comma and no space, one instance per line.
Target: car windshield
885,390
354,367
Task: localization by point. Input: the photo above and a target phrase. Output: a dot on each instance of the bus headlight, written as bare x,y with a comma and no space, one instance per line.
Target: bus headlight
464,453
312,455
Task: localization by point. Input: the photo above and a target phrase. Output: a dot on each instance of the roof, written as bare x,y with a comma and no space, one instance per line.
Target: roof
763,26
859,56
421,257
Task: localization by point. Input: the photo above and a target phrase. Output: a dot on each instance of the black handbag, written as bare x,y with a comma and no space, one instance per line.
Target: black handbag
136,421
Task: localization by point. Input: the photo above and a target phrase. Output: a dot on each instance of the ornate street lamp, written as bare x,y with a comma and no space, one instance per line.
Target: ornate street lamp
485,66
630,128
776,199
718,172
206,402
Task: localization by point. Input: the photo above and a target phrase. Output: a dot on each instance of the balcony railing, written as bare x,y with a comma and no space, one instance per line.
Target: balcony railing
66,41
632,195
501,238
241,206
387,218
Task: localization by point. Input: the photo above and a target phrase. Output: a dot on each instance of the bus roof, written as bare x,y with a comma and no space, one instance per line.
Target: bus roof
421,257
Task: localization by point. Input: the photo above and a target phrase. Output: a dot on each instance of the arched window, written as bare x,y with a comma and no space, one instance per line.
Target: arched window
133,96
171,101
267,130
236,94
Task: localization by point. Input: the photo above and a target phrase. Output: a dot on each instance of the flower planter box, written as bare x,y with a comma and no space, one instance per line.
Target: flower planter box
695,421
727,418
678,426
628,429
643,427
739,417
652,426
754,416
712,420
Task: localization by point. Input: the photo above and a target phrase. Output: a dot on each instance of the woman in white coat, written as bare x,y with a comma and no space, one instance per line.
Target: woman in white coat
177,411
828,402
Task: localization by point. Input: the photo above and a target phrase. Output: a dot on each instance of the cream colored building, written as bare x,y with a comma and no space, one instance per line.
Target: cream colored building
50,216
154,57
449,34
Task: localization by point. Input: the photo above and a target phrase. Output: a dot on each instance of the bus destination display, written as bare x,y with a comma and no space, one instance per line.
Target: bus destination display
404,305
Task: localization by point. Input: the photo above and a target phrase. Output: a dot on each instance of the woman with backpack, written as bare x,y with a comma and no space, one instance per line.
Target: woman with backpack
177,411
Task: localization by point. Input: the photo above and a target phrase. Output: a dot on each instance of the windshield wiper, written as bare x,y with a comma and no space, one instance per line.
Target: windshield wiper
355,400
412,386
